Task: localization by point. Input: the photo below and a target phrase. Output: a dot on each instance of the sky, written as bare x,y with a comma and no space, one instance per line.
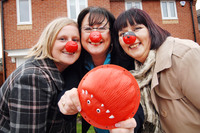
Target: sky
198,5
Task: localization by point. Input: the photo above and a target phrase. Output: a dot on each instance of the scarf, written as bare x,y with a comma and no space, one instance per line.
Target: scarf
143,74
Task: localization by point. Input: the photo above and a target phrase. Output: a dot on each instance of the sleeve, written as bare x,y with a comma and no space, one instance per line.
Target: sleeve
189,74
29,102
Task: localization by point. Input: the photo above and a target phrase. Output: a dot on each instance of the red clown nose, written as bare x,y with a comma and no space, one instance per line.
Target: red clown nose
95,36
129,37
71,46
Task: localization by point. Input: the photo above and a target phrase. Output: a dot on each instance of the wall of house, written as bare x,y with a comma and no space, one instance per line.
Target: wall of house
22,37
101,3
43,11
181,28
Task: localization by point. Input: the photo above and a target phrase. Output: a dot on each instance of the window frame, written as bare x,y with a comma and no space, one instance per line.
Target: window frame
17,56
168,9
133,2
18,14
78,10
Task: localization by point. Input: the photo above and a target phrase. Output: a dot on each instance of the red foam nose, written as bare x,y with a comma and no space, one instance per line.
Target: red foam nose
95,36
71,46
129,39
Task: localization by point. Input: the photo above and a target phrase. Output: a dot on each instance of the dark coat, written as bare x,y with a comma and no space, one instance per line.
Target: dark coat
28,99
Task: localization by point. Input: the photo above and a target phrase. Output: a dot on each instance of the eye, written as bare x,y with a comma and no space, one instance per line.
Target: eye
87,28
101,28
121,34
137,28
62,39
76,40
98,110
88,102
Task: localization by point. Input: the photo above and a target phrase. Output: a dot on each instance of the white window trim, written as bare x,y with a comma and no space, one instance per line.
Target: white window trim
77,8
132,1
175,9
17,53
18,14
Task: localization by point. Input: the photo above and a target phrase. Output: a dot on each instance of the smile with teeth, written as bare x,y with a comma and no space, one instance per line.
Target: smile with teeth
95,43
68,53
134,45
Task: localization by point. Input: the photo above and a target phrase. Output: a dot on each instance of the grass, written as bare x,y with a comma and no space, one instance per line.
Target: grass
79,128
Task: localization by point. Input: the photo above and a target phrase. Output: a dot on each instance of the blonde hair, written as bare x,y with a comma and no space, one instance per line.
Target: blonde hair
43,48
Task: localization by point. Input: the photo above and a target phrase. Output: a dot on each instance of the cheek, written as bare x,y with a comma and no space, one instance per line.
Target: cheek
84,36
83,40
58,46
79,47
121,42
106,36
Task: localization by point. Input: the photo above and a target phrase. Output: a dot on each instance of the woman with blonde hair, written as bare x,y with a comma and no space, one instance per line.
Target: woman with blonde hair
28,98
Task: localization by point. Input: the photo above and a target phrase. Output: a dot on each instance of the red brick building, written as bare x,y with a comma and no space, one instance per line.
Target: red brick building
24,20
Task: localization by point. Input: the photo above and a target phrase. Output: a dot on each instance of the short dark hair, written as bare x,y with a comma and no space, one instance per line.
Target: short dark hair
136,16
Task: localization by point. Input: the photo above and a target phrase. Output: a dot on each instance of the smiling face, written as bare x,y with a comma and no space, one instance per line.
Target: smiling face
67,33
139,50
98,48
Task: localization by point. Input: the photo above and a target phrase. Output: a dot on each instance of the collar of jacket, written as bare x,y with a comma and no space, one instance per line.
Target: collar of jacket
163,59
49,67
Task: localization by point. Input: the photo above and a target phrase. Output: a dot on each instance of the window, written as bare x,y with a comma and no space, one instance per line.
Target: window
74,7
168,9
133,3
24,12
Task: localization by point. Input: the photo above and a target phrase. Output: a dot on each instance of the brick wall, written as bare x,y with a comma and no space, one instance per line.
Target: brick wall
22,37
181,28
43,11
101,3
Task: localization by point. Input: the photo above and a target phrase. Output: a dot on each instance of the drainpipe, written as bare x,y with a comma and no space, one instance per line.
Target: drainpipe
3,38
193,20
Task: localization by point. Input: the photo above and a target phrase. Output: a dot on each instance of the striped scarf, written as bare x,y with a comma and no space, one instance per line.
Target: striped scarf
143,74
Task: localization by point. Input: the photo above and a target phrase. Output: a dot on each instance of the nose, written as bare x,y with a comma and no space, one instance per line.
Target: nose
95,36
71,46
129,37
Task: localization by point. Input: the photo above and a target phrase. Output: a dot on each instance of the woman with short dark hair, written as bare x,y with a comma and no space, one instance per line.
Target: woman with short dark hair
167,71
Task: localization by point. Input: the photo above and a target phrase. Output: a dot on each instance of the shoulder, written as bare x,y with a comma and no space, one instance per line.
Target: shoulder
31,67
175,50
29,72
183,46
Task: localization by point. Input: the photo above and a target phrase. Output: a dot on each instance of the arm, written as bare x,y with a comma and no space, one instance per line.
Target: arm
189,75
29,102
